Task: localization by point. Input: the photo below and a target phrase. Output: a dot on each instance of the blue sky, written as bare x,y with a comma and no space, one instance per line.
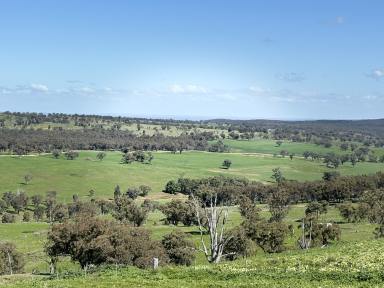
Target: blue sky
194,59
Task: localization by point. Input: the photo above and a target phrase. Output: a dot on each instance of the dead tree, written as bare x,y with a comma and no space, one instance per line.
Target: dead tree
211,219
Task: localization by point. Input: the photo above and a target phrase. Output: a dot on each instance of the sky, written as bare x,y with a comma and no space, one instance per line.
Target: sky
194,59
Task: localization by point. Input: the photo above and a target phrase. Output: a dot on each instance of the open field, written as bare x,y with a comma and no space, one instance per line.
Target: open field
85,173
270,147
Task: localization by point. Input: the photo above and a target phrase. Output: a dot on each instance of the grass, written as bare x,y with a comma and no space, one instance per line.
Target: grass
30,237
347,265
85,173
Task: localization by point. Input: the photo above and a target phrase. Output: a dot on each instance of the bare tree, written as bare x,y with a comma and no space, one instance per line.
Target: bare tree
212,219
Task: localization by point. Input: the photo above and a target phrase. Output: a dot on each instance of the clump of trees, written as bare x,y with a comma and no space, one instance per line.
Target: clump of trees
177,211
138,156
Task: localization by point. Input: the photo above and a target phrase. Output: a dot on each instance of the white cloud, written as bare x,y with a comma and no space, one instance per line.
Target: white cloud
291,77
187,89
258,91
376,74
39,88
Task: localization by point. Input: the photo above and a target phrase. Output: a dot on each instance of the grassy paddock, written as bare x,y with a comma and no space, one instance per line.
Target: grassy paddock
79,176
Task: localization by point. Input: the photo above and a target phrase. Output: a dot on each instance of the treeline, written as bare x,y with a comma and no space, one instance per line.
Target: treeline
333,188
28,140
370,132
322,132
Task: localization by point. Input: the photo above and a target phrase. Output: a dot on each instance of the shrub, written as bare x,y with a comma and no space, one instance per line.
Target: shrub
38,213
180,250
238,245
171,187
268,235
97,241
127,211
227,163
8,218
144,190
71,155
26,216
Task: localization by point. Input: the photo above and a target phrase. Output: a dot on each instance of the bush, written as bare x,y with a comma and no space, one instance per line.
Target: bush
127,211
239,245
268,235
11,261
227,163
180,250
8,218
71,155
38,213
26,217
144,190
171,187
96,241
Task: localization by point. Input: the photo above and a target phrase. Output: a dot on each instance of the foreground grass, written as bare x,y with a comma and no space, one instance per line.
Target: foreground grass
30,237
347,265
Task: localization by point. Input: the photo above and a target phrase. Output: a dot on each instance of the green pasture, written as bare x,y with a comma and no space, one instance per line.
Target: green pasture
85,173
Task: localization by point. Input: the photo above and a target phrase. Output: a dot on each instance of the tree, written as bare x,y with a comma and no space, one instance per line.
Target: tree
227,163
11,261
127,158
27,179
284,153
36,200
279,143
269,236
101,155
3,206
71,155
56,153
215,218
317,234
180,249
239,245
344,146
316,208
38,213
354,159
50,202
278,202
330,175
332,160
19,201
127,211
173,211
278,176
171,187
117,192
26,216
